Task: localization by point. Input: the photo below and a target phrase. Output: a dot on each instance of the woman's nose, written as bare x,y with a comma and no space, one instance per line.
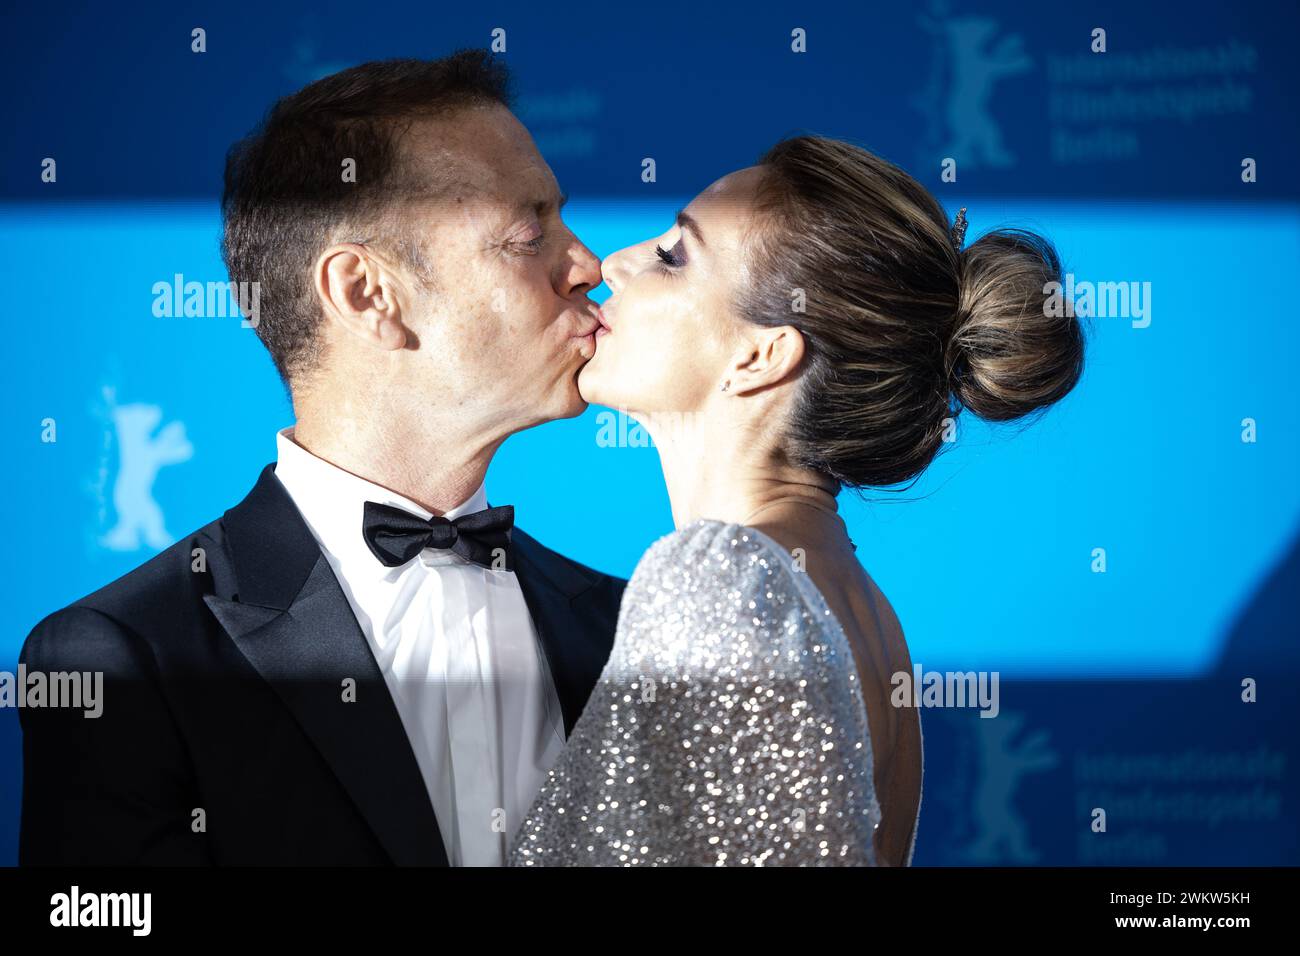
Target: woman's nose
614,269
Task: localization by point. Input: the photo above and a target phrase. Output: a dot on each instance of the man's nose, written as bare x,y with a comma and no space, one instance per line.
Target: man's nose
585,274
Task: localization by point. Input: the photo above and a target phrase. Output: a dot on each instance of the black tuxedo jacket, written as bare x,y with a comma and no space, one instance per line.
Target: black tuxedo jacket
225,736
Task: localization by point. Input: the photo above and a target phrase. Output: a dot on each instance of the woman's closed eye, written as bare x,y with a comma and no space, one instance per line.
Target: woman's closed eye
674,258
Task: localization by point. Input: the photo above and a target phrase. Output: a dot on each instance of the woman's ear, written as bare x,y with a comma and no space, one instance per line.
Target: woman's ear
361,295
769,357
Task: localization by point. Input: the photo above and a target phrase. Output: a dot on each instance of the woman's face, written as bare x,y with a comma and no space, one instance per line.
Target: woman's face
670,325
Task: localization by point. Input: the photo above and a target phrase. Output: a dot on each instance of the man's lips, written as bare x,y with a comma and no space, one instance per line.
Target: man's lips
595,328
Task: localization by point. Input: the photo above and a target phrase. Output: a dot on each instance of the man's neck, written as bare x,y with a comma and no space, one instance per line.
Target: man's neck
438,476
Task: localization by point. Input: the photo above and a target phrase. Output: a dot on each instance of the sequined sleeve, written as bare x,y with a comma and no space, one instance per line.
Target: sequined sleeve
726,729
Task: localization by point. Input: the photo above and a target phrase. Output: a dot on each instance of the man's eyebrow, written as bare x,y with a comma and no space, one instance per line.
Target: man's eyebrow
686,222
539,206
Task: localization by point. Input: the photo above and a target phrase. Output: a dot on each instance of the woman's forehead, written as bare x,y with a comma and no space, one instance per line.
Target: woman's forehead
725,208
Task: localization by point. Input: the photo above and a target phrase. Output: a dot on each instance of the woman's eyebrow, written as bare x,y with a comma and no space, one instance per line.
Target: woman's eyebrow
686,222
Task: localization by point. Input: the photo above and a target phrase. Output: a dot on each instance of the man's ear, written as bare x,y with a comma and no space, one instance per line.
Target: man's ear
769,356
361,294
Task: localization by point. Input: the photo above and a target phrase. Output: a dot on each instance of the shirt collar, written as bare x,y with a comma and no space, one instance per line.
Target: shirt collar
332,501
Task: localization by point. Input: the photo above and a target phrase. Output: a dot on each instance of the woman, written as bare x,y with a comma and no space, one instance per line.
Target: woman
808,324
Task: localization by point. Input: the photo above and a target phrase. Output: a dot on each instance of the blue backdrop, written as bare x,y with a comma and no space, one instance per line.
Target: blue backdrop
1176,456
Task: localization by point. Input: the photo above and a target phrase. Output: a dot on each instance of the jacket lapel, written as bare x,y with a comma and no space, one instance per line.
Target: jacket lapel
293,623
576,642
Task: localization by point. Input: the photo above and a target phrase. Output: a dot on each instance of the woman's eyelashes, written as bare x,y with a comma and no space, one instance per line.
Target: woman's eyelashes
673,258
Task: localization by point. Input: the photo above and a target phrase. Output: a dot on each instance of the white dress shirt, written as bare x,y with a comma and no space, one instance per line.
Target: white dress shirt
459,651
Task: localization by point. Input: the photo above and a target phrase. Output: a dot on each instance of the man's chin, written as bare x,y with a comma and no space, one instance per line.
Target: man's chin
576,408
588,386
574,402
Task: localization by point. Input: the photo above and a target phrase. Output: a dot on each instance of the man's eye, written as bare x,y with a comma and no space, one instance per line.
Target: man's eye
530,245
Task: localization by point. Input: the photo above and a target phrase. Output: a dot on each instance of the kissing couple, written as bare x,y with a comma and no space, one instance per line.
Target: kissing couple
366,661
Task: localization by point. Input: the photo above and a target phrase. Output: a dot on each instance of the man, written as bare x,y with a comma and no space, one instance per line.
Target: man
362,662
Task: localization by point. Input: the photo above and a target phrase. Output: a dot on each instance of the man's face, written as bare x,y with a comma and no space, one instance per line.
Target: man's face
507,325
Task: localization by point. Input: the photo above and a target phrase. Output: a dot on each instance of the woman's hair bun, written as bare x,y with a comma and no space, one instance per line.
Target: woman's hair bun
1009,353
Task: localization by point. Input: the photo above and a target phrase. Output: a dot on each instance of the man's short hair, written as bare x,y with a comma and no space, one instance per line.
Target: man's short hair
286,200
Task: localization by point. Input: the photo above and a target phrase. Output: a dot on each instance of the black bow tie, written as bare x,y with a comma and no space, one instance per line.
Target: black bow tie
396,536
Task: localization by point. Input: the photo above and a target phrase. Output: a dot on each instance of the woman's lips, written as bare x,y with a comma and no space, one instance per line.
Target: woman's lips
604,325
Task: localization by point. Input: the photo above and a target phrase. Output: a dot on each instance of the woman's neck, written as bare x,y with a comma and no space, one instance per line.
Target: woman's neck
720,471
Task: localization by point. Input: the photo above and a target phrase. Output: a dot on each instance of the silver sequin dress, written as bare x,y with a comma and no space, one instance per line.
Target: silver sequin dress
727,728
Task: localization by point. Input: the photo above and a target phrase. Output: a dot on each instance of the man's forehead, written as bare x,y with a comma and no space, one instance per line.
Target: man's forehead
482,155
517,189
